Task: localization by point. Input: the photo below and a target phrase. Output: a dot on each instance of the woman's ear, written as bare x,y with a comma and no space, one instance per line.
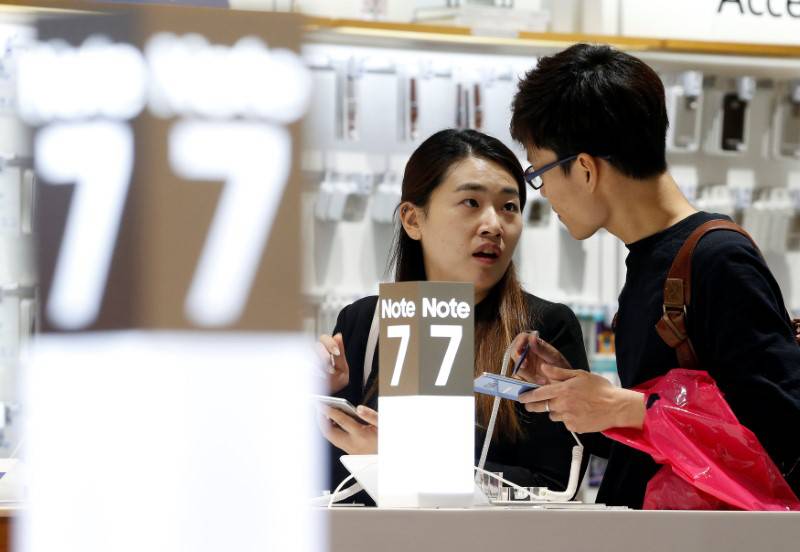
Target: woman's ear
409,218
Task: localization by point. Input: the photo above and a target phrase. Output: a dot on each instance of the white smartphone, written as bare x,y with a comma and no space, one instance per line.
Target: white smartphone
342,405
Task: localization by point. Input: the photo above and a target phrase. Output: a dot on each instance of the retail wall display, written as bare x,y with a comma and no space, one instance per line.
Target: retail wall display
168,244
787,121
18,275
370,109
684,96
733,119
730,148
753,175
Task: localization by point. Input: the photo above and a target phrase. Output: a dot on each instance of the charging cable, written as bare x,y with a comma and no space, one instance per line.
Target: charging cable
503,480
545,494
338,494
572,484
538,495
493,418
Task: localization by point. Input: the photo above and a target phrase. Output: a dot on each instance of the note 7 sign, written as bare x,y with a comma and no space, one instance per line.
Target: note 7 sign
426,401
164,146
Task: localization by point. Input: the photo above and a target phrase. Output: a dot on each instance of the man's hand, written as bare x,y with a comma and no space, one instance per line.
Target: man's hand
348,434
585,402
540,355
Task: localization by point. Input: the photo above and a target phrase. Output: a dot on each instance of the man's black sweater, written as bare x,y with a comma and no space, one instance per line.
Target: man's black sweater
741,332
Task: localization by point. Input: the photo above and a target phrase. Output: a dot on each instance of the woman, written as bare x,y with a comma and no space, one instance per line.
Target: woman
462,197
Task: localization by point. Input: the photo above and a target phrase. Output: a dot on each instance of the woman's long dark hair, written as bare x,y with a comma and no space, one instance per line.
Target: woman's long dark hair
426,169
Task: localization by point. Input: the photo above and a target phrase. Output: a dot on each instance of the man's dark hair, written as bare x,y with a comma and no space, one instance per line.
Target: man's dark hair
596,100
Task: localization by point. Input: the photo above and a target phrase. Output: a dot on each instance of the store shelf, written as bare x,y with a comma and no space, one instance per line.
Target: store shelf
33,7
352,29
323,28
722,59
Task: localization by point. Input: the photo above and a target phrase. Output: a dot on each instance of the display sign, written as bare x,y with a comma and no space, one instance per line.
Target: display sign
426,402
164,140
163,149
748,21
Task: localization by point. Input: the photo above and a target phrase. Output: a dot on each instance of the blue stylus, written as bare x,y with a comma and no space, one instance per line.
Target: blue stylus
521,359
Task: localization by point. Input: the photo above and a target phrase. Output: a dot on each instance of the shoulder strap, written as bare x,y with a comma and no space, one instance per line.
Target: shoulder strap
372,342
678,293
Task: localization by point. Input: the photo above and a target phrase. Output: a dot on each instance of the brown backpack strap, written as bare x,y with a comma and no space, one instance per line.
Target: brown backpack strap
678,293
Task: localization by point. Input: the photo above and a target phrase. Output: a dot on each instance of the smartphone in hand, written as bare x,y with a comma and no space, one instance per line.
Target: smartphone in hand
502,386
340,404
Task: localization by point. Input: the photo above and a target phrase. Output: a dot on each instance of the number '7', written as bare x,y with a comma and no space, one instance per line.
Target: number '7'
403,331
252,158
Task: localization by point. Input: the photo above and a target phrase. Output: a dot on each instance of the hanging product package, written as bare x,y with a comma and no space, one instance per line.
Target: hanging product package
709,460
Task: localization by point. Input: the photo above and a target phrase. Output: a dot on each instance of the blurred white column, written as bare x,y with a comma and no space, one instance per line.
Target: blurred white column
166,441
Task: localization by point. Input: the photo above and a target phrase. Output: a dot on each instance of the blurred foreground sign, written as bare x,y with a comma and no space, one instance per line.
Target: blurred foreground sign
171,356
164,143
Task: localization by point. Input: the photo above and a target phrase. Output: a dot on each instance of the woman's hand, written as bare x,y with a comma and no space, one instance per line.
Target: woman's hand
348,434
331,349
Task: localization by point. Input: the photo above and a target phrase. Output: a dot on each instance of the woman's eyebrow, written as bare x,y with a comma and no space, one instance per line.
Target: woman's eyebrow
475,187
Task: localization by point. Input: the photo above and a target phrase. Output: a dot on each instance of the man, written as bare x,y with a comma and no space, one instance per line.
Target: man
593,121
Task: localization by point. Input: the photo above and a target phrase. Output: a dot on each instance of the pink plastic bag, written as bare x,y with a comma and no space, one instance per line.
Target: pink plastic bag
710,461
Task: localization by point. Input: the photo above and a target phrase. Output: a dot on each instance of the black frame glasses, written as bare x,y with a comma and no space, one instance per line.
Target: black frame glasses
534,176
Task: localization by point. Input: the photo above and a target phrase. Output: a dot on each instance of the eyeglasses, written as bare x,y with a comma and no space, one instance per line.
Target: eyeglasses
534,176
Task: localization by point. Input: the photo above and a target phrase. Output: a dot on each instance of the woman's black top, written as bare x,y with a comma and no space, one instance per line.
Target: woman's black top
541,456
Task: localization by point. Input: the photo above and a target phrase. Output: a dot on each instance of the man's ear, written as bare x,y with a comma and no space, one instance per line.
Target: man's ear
409,218
588,167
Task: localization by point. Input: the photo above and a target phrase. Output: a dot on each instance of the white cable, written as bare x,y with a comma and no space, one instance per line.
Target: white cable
503,480
546,495
347,493
572,485
339,488
493,418
489,430
337,496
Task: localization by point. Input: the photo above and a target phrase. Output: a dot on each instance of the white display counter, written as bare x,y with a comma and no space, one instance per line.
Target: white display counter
355,529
